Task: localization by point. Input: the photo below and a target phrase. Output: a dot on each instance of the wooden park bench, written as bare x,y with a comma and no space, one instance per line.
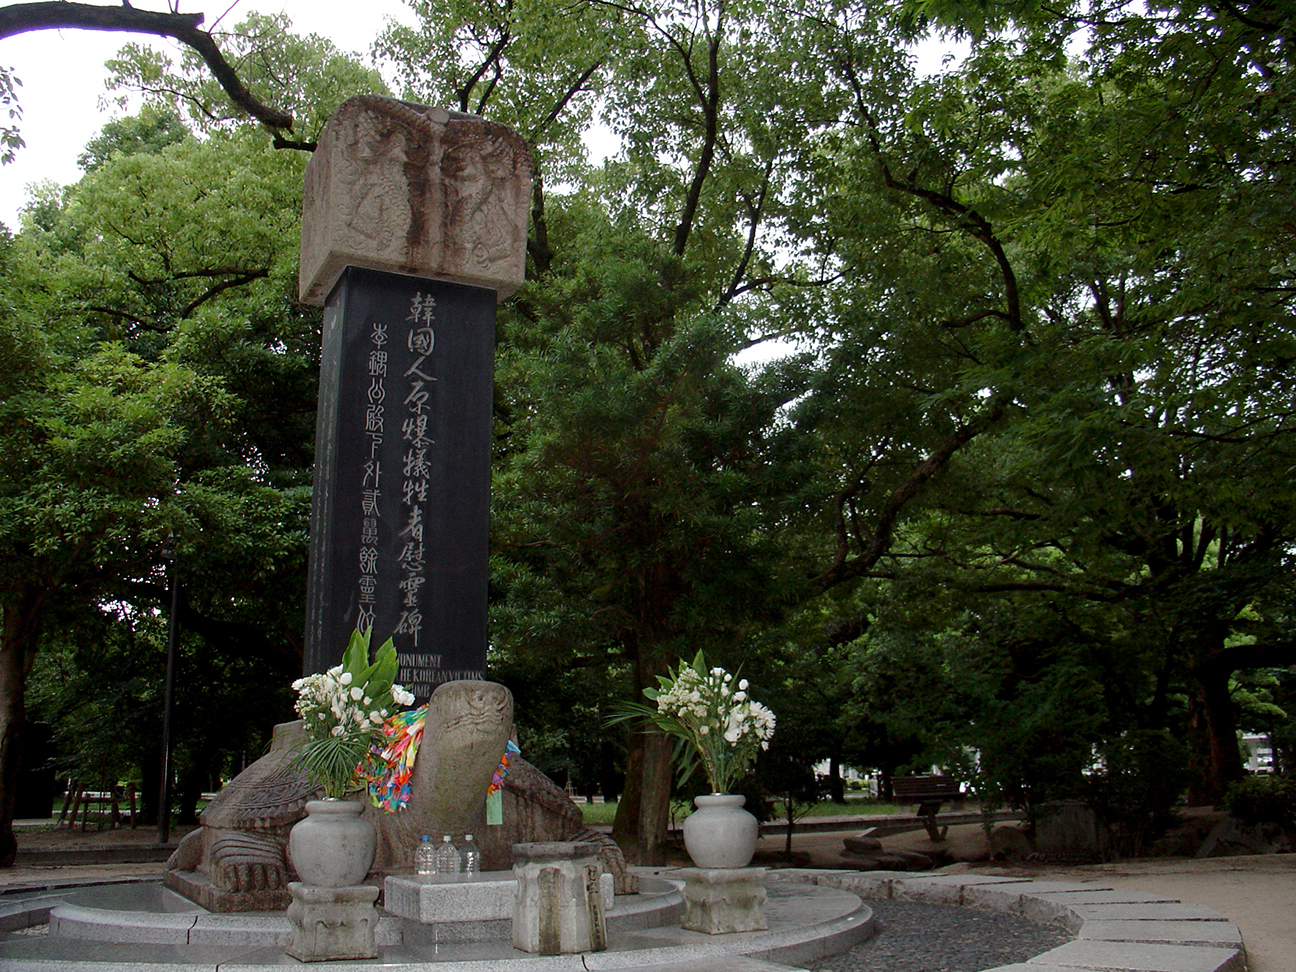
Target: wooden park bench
928,793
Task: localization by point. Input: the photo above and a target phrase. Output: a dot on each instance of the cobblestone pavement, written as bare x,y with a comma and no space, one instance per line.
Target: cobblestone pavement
916,937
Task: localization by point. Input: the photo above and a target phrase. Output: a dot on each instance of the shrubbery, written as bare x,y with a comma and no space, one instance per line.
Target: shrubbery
1143,775
1263,799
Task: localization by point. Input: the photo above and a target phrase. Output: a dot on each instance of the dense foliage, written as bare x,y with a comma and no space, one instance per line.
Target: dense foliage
1014,499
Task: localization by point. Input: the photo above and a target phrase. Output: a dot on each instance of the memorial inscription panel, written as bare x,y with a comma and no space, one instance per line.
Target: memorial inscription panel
400,515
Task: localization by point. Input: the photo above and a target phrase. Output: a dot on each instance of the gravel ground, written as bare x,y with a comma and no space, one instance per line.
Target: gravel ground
915,937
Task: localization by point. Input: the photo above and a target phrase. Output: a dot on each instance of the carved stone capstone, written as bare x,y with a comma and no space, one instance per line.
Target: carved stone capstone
404,188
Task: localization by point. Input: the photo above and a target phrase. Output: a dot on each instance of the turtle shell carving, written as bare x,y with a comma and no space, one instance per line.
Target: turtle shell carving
271,794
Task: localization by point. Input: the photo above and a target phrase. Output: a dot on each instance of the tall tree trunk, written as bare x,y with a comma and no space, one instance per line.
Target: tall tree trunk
836,786
643,813
1217,760
19,630
654,800
625,825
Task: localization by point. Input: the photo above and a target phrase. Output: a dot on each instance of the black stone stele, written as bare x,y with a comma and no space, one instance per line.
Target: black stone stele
400,512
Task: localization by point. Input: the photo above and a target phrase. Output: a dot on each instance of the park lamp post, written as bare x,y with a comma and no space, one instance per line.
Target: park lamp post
168,692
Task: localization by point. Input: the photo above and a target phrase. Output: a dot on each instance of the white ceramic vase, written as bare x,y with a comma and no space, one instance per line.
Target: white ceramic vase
720,833
333,846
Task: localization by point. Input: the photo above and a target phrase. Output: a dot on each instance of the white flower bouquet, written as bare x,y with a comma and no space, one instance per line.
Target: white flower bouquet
343,710
712,720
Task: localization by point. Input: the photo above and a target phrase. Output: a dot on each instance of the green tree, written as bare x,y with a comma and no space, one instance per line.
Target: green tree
1071,306
146,133
306,75
18,18
164,386
90,440
628,526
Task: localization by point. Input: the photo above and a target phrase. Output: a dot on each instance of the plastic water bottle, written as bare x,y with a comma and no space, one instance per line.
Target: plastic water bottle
425,856
448,860
471,855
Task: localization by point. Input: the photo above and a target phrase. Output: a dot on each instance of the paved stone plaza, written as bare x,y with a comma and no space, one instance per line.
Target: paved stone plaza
812,913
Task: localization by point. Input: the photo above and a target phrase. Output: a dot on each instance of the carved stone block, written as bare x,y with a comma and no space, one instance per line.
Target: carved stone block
718,901
415,190
558,909
332,923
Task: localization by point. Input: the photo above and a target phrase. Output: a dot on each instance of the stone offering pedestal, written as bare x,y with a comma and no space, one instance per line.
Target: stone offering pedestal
457,899
718,901
332,923
558,909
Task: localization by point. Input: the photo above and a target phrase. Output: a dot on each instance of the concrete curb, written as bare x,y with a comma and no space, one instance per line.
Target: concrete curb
1117,931
71,856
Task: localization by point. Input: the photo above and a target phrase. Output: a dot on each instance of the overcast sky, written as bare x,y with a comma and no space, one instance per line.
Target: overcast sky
62,76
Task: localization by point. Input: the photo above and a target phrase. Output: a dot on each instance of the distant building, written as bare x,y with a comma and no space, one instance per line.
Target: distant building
1257,754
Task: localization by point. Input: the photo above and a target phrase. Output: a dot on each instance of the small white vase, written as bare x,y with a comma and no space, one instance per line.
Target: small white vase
720,833
333,846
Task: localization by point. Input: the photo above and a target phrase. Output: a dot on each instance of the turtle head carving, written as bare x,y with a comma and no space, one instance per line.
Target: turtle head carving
470,706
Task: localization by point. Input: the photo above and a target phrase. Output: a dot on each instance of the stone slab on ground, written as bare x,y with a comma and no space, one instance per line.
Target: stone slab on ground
1117,943
54,955
736,963
1101,896
233,930
1256,893
1012,897
888,860
946,889
91,924
1166,932
1158,911
15,915
1137,957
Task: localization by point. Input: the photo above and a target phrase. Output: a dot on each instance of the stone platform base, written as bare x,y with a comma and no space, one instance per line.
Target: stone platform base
195,886
719,901
90,933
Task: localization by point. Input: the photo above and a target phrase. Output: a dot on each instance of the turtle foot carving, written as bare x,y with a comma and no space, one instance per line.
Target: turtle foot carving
248,861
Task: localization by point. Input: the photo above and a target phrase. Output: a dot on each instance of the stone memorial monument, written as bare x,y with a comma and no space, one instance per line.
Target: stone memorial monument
414,225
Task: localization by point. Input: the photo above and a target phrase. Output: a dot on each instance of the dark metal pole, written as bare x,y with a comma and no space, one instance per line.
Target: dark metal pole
168,699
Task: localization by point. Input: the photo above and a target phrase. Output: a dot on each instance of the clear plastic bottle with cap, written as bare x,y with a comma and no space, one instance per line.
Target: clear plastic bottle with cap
448,860
471,855
425,856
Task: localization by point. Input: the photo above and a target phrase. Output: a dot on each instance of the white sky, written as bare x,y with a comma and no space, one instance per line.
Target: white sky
62,73
63,76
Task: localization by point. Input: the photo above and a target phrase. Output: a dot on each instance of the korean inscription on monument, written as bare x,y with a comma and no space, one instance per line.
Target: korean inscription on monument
400,518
